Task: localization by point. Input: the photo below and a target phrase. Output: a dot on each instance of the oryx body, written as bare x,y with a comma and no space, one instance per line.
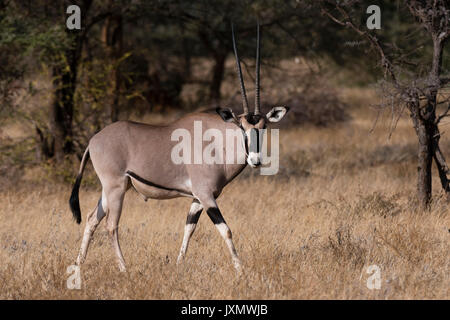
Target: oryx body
128,154
144,153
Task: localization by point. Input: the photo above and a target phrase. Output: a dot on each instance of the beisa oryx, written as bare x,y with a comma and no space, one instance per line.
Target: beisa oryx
128,154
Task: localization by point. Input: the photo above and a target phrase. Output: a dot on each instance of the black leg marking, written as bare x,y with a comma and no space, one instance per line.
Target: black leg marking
215,215
100,211
192,218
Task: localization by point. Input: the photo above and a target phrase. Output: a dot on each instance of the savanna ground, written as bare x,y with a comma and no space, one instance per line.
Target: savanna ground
342,201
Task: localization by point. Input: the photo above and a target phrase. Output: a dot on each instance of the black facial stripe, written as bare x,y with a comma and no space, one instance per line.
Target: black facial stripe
245,139
254,145
215,215
140,179
257,140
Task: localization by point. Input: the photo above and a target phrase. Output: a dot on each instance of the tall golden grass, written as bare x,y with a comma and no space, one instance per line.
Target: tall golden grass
342,201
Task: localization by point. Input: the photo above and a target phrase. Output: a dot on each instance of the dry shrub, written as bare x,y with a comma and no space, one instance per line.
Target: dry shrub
377,203
319,106
346,248
14,156
390,154
298,164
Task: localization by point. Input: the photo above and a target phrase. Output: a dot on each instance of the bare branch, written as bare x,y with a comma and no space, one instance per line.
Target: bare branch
348,22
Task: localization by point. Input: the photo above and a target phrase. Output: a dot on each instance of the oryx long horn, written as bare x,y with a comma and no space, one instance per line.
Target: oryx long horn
257,101
239,71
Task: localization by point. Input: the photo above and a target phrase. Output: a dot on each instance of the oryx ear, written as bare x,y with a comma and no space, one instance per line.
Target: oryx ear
226,114
277,113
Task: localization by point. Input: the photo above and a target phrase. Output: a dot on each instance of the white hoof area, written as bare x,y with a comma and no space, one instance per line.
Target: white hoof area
238,267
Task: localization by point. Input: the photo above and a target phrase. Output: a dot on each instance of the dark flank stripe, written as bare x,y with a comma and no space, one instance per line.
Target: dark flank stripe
151,184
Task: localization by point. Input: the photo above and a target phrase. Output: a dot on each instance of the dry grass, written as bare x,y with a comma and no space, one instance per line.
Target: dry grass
343,201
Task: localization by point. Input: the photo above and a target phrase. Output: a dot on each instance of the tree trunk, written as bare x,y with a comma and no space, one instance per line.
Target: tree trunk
434,85
441,164
65,73
218,75
425,158
45,147
187,53
64,82
112,43
219,54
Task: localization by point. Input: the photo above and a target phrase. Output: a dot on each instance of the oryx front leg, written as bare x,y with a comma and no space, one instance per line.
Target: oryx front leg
189,228
92,221
218,220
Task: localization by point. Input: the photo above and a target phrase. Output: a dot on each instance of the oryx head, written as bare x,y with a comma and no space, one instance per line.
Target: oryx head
251,122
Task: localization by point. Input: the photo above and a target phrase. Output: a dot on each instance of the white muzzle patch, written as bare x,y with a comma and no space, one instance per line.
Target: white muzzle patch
254,159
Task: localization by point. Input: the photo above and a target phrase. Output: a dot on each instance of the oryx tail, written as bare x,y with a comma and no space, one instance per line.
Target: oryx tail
74,202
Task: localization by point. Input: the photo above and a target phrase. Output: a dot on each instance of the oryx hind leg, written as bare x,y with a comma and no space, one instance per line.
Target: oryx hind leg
92,221
191,223
114,198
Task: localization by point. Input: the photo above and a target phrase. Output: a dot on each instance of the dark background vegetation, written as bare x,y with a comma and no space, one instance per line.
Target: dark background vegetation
133,58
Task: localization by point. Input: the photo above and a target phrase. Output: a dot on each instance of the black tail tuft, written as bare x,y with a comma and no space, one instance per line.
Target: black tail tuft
74,202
